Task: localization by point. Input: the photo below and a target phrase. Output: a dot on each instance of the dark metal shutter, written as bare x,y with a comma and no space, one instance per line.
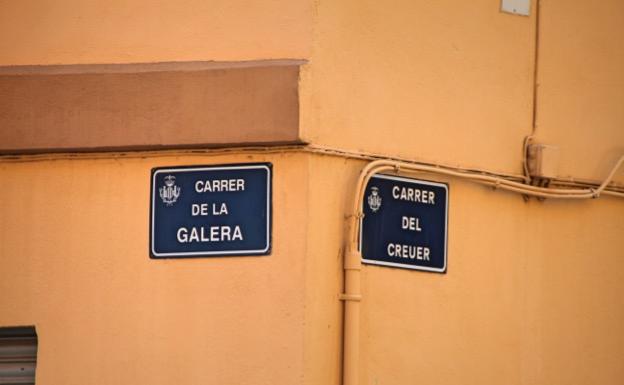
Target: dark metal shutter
18,355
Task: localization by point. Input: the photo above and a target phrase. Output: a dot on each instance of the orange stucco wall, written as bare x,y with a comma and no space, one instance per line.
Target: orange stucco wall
75,263
441,81
135,31
581,85
422,72
533,293
452,82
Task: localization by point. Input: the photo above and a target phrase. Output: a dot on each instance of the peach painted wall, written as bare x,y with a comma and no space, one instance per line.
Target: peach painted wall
74,262
533,292
135,31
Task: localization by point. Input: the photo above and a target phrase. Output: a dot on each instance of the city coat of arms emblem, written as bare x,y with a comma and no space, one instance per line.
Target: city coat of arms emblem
169,193
374,199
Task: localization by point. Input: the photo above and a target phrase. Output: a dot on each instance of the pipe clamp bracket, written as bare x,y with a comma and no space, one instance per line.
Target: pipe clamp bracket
350,297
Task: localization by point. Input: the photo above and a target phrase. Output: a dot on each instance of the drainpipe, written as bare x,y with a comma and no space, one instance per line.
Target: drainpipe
352,293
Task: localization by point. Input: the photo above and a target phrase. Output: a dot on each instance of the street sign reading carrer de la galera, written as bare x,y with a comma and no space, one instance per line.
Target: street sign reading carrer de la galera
210,211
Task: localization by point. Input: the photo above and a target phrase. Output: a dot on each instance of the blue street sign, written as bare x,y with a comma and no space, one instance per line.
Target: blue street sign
210,211
405,223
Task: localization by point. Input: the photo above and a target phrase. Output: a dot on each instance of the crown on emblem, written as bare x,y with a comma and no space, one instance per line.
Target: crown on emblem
169,180
374,199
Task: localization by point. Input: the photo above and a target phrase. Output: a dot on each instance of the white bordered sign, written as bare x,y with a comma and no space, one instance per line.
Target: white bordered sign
210,211
405,223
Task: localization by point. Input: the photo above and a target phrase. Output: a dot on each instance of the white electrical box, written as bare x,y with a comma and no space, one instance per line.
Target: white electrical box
516,7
